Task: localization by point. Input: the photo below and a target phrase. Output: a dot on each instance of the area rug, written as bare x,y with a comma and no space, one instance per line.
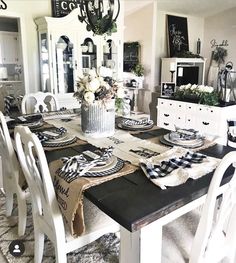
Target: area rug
103,250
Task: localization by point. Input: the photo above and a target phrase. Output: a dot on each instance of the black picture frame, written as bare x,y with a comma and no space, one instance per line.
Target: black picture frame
177,31
62,8
131,56
167,89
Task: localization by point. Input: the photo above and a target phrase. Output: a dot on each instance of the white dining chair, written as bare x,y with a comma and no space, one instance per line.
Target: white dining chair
210,235
39,102
11,177
47,216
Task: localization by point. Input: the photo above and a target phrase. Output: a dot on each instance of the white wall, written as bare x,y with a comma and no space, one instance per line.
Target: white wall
30,9
221,27
139,27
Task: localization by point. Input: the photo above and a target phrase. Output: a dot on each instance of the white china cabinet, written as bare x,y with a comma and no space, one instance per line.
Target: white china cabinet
209,120
67,49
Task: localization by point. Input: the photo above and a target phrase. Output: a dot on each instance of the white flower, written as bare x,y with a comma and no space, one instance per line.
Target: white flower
92,73
89,97
209,89
182,87
93,85
120,93
194,87
188,86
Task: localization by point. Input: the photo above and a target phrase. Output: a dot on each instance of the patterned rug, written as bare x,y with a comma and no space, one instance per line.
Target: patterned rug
103,250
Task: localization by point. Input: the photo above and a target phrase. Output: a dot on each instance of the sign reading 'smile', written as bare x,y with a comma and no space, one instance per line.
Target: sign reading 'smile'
62,8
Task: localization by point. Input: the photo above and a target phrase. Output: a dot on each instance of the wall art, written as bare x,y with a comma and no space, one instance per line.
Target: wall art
177,29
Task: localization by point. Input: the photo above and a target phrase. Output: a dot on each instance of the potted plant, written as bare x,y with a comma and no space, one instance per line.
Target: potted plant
138,71
219,55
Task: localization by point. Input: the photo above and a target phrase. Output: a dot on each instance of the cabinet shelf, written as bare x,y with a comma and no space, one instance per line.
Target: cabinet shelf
89,53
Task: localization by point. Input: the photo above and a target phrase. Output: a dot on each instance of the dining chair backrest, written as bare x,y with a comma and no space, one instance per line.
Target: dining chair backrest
215,237
35,168
39,102
11,176
47,217
7,150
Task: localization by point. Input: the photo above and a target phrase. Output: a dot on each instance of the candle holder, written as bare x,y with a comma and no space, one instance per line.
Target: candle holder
172,74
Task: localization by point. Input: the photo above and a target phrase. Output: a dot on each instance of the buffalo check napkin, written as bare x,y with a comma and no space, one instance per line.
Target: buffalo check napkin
175,166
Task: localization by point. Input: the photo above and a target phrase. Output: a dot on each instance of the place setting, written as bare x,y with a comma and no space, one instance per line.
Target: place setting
135,125
186,138
98,163
55,137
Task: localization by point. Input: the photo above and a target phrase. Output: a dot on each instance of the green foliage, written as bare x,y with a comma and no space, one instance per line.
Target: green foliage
138,70
187,54
219,55
119,103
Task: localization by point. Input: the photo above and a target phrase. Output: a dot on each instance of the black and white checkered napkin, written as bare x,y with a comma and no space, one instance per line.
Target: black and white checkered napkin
130,122
45,137
7,103
166,167
78,165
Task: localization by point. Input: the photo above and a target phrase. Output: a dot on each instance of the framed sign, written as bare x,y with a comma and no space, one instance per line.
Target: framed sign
62,8
131,55
167,89
177,29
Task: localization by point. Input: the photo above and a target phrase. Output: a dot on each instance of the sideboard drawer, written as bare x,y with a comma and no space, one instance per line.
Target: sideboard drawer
208,126
169,125
208,112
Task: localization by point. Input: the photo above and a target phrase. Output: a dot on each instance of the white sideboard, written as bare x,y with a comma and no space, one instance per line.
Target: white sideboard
209,120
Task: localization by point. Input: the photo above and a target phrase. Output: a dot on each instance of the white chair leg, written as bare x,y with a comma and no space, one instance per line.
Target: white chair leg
22,215
38,245
60,253
9,202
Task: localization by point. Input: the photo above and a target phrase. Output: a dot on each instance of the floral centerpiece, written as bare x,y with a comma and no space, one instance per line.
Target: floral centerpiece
197,93
98,96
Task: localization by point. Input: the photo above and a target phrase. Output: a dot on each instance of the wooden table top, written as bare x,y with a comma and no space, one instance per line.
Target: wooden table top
133,201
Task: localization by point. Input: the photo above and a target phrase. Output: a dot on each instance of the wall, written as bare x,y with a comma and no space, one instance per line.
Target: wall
139,27
30,9
221,27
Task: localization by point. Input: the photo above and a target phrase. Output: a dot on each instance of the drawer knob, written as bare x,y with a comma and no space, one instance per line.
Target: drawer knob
166,115
205,123
166,124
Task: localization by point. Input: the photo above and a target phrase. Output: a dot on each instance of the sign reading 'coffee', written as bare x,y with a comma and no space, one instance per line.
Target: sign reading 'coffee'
62,8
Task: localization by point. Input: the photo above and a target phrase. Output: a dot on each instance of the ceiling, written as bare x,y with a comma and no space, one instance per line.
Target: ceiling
201,8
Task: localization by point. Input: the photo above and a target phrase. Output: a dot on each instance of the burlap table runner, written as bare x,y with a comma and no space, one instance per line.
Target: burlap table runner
70,195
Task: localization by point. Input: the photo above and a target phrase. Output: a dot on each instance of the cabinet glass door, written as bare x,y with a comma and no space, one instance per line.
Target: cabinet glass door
110,58
65,65
89,55
45,83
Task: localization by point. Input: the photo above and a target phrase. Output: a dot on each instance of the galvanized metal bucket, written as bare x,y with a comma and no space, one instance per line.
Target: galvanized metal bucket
98,118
